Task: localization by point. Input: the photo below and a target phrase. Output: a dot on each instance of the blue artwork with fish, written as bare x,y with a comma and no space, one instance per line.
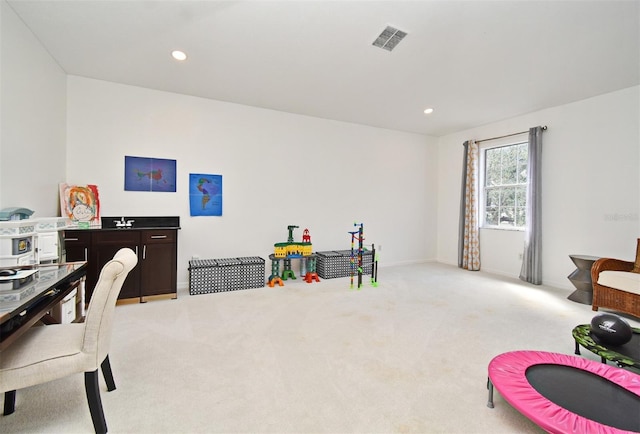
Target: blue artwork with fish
149,174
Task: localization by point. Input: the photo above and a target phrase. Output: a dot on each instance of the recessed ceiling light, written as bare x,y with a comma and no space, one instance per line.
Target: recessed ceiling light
179,55
428,111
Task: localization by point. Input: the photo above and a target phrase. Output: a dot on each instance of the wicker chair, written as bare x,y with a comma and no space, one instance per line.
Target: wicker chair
611,298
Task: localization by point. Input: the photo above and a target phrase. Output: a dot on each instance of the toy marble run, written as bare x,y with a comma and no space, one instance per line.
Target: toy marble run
302,250
355,260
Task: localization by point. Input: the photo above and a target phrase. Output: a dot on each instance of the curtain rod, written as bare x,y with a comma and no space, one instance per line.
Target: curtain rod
507,135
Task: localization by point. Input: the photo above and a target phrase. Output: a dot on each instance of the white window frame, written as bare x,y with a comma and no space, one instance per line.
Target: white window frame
482,181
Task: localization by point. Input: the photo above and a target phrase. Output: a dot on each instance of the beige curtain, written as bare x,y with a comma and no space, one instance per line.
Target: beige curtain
469,243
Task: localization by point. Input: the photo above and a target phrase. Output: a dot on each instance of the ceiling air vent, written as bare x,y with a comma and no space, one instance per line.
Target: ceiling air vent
389,38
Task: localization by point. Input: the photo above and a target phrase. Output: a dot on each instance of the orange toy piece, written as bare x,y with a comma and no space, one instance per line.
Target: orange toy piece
310,277
275,280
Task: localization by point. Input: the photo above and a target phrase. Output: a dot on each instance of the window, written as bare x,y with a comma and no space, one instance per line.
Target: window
505,186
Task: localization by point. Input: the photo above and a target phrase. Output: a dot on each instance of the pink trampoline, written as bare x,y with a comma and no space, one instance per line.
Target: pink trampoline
567,394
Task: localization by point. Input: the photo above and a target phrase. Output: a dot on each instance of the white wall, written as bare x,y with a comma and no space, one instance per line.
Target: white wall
278,169
282,169
591,186
33,120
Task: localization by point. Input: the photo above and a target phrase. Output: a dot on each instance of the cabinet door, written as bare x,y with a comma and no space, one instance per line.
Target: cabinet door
105,244
76,245
159,262
47,246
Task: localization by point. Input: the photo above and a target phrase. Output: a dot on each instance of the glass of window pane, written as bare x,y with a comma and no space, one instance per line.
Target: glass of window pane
491,216
522,162
521,196
520,217
508,197
492,167
492,197
509,164
507,216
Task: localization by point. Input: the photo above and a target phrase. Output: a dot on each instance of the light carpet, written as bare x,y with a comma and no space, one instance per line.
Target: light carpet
407,356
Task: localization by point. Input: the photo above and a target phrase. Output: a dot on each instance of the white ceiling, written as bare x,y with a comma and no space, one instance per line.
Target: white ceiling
474,62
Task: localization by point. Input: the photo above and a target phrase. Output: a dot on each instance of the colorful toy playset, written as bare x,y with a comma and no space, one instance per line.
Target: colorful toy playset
357,254
302,250
331,263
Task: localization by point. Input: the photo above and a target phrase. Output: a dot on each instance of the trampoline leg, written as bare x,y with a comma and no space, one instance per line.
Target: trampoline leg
603,360
577,351
490,387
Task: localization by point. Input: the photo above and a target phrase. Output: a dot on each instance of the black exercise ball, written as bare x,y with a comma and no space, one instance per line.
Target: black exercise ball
611,329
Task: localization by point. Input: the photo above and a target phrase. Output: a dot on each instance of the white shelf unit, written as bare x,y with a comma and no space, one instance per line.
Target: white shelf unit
17,242
48,238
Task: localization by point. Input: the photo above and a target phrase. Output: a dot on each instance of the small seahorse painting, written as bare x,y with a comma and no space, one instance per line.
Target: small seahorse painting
205,194
149,174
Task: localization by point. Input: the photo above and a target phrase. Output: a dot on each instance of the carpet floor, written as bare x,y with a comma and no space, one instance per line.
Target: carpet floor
407,356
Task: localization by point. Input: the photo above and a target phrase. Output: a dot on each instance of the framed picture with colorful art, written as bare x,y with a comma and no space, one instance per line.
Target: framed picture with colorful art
149,174
205,194
80,204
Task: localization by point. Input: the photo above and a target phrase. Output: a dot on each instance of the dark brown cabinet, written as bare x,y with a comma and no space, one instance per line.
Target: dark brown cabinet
76,245
105,244
157,251
159,262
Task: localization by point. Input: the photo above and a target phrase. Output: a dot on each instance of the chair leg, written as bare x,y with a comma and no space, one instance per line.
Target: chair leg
9,402
108,375
95,403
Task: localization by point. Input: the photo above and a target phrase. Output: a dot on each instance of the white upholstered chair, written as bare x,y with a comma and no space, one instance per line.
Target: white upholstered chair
51,352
